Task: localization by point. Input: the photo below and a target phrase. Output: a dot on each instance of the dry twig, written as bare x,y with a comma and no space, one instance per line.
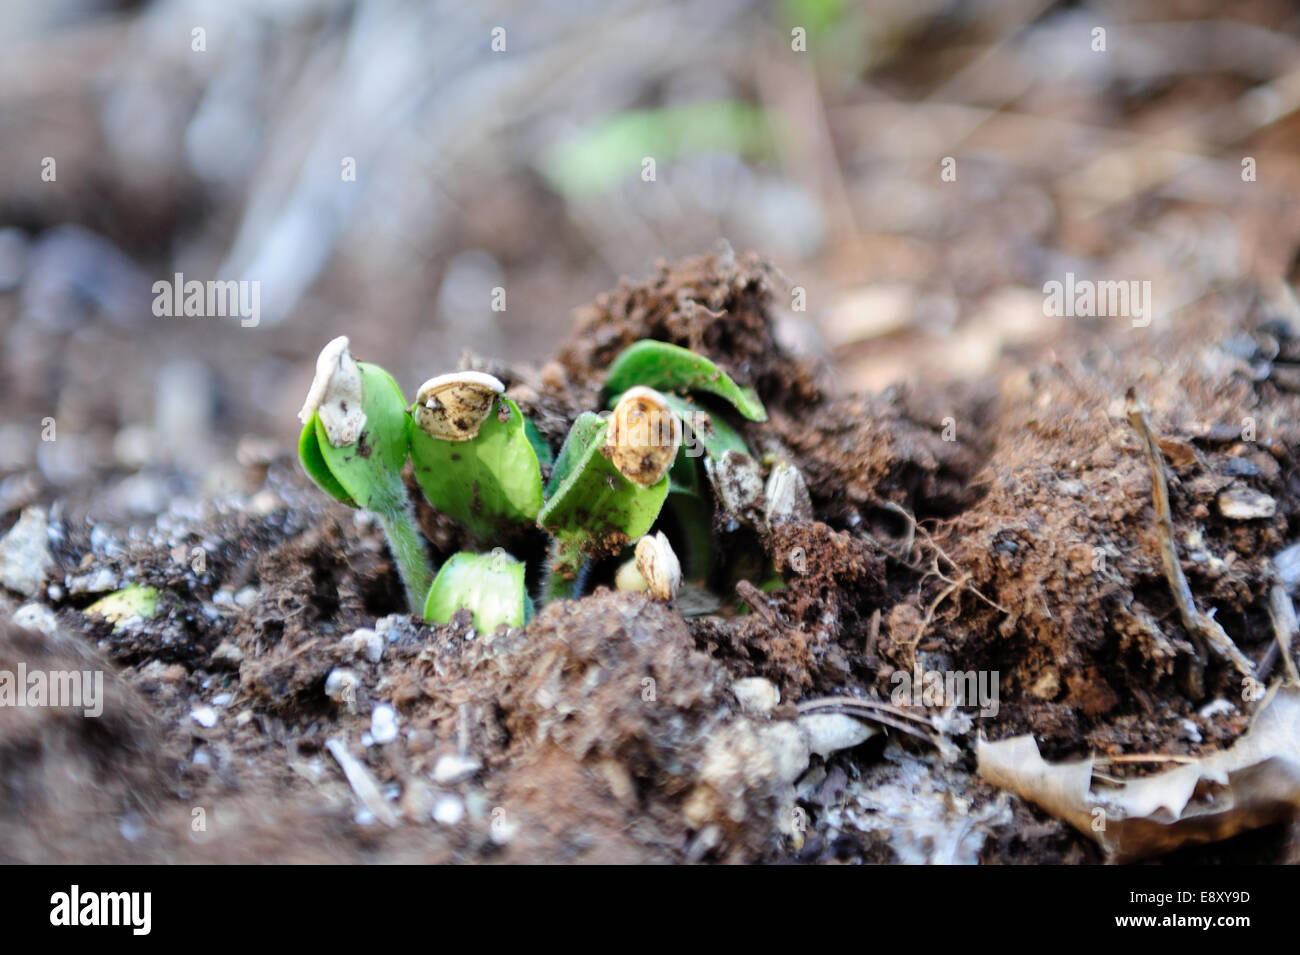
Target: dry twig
1282,613
876,712
1201,627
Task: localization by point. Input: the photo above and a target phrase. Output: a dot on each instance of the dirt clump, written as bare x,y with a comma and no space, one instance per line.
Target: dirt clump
64,770
719,305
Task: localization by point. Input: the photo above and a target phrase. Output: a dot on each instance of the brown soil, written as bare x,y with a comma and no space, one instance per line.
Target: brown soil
1016,536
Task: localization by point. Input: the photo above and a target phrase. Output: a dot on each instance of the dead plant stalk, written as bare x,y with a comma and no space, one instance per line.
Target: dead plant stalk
1202,627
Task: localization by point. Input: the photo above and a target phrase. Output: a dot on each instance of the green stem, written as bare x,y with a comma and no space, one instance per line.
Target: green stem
407,547
565,570
693,519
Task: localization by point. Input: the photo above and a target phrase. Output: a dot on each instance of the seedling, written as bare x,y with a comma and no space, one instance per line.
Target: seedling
491,586
672,368
354,441
473,455
479,460
727,462
609,484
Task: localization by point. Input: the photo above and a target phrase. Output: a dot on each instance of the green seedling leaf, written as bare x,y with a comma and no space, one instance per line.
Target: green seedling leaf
587,431
369,470
593,503
490,586
684,476
486,482
361,408
313,462
135,600
540,447
711,431
667,367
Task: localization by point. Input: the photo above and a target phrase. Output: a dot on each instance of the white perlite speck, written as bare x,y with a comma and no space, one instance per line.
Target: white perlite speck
383,724
448,810
454,769
25,553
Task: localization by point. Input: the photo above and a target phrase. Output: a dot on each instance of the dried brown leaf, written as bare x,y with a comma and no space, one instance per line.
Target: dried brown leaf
1254,783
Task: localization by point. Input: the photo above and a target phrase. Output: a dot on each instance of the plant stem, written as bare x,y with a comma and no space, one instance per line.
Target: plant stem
693,519
407,547
566,571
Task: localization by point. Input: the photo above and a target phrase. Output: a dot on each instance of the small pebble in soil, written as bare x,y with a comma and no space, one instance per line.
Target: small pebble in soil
1215,708
37,617
365,642
245,597
103,543
96,582
452,768
205,716
1287,562
448,810
265,502
341,687
158,672
383,724
757,696
227,654
25,553
1245,504
396,628
131,827
830,732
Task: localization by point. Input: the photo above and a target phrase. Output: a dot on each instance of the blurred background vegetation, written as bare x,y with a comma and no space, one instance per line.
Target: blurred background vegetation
811,131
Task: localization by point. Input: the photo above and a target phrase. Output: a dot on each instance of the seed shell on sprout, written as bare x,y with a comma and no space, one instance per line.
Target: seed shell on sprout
453,407
659,566
786,495
336,394
643,436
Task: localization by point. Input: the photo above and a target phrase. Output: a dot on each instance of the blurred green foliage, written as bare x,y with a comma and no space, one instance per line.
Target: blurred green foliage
611,151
